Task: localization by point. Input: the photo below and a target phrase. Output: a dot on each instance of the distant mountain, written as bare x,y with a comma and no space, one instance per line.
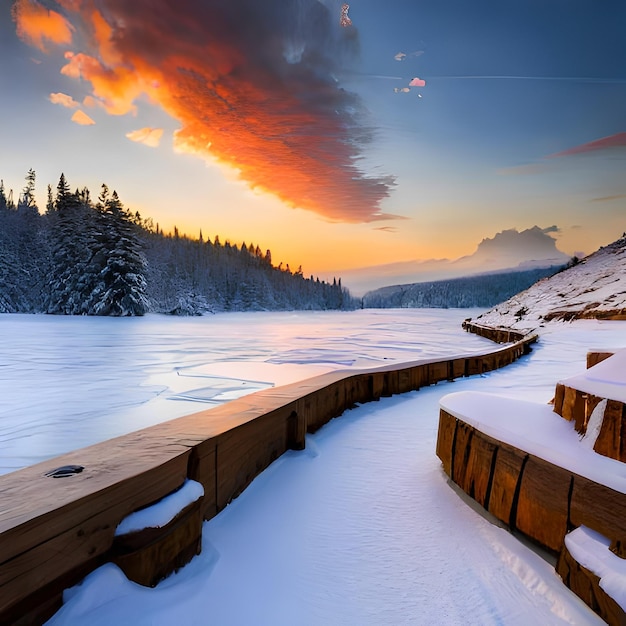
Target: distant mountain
594,288
507,250
483,290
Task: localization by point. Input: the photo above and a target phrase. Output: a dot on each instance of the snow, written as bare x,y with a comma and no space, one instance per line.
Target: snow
162,512
362,527
591,550
607,379
597,284
594,425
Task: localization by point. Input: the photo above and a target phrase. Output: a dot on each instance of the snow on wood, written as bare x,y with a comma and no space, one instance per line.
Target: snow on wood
591,550
163,511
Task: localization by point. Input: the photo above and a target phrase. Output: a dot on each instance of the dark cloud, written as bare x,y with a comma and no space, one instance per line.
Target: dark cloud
551,229
253,85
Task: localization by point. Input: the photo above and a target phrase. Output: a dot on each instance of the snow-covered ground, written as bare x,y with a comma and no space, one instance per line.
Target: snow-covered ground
68,382
363,528
596,286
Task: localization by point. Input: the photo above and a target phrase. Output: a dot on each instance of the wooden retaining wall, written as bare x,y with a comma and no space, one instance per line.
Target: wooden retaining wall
499,335
536,498
54,531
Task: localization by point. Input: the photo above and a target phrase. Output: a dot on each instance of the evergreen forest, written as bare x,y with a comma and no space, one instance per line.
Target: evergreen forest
82,256
480,291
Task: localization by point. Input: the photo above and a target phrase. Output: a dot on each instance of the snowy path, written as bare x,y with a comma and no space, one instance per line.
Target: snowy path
362,528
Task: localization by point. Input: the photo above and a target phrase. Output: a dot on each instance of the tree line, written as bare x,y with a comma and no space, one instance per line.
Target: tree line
82,256
480,291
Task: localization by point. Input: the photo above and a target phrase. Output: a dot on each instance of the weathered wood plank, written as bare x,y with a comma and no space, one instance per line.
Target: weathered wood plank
244,452
586,585
479,464
609,441
542,506
147,556
598,507
508,465
445,439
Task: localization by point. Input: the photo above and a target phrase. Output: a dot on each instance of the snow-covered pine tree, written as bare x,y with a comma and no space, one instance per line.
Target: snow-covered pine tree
72,235
120,289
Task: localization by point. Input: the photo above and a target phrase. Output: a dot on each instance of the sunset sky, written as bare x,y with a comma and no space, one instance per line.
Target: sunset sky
338,138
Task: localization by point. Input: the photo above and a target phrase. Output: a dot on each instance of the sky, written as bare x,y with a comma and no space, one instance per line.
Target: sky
340,137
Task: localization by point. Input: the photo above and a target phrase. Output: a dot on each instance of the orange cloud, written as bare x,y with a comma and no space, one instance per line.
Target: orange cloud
64,100
147,136
82,118
225,72
116,88
612,141
36,24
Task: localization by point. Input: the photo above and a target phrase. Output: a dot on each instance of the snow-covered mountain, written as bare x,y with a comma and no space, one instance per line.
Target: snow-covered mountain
508,250
593,288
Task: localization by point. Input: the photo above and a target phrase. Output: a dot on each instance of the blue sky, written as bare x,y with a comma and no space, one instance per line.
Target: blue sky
470,153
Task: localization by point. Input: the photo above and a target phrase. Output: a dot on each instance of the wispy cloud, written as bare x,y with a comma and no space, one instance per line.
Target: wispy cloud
37,24
387,229
253,85
81,118
64,100
147,136
612,141
619,196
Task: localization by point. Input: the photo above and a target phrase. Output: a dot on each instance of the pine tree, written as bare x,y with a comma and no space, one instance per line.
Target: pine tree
71,249
121,283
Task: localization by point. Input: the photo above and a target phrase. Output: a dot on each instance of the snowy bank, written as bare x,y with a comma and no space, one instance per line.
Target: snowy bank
595,288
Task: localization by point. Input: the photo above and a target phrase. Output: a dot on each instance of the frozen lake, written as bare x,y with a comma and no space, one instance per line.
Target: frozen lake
68,382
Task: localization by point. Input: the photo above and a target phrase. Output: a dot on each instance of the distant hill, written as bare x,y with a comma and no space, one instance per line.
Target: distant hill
508,250
483,290
594,288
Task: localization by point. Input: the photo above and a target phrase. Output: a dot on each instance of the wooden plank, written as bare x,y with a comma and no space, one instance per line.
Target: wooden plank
508,465
594,357
437,372
36,507
609,441
598,507
586,585
479,464
573,405
542,506
461,452
149,555
202,469
52,545
445,439
245,451
559,398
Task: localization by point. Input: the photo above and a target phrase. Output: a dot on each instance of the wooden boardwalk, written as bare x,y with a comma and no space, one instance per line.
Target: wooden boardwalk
54,531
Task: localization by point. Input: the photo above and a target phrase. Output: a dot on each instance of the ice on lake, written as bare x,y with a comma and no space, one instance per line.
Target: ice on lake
68,382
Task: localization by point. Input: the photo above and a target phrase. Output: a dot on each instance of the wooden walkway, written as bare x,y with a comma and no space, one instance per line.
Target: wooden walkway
54,531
